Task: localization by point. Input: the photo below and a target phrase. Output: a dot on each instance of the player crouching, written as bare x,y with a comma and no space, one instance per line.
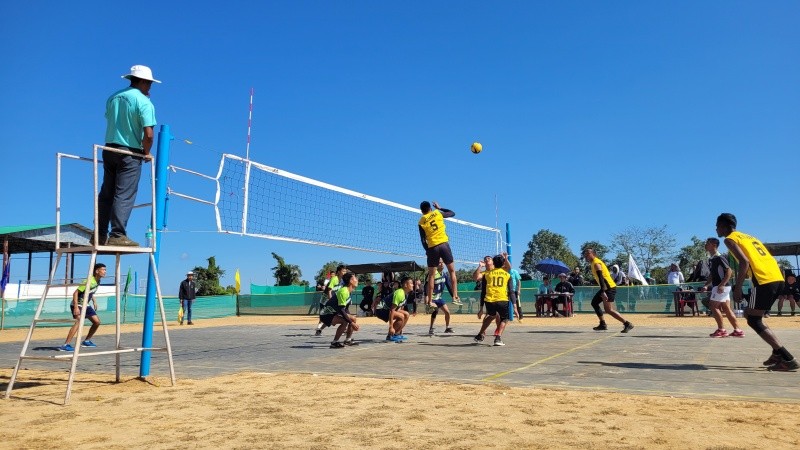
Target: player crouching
398,316
495,294
336,313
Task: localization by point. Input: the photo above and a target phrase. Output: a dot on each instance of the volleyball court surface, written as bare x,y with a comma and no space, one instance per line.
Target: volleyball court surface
680,361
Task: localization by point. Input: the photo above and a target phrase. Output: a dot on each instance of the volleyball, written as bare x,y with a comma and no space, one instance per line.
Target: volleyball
476,147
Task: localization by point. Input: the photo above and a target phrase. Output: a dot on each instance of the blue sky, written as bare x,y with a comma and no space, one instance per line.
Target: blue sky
593,115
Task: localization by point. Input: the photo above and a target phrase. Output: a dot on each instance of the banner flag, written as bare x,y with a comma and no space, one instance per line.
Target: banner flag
633,271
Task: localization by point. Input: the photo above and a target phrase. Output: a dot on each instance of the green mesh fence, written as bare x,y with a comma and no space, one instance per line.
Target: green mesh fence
630,299
19,313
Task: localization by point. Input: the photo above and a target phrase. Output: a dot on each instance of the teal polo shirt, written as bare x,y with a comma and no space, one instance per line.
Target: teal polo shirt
127,113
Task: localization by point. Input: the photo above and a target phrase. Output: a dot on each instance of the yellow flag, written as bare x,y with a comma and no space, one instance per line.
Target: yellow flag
238,281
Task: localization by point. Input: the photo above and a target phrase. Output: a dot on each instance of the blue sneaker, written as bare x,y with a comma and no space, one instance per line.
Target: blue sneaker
401,337
88,344
398,339
66,348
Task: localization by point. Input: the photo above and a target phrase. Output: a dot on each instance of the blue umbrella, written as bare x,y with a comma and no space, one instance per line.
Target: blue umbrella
552,266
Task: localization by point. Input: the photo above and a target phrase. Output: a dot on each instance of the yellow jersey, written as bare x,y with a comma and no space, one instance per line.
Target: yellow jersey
433,226
763,266
496,283
603,273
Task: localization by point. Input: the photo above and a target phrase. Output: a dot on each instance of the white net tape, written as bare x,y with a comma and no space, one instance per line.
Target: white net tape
261,201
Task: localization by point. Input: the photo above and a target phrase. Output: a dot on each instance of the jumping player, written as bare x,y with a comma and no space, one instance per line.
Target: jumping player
335,313
495,294
436,244
606,294
329,294
754,260
441,280
720,291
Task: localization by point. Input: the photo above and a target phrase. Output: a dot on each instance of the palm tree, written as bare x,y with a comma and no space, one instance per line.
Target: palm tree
286,274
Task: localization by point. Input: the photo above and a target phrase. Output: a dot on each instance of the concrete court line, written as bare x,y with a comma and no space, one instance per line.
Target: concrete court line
535,363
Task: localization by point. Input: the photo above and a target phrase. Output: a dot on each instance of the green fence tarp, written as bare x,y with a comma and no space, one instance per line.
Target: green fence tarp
19,313
260,289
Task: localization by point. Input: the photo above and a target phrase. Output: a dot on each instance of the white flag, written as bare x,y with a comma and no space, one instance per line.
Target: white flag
633,271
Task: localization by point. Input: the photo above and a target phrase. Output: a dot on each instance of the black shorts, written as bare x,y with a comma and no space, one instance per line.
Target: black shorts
762,297
327,319
610,293
498,308
439,251
382,314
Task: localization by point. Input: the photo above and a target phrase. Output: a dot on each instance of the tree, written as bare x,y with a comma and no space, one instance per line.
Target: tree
464,275
329,266
365,278
785,265
207,278
546,244
649,246
599,249
689,255
287,274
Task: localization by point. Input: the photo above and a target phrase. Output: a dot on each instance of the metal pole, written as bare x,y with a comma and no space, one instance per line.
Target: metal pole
508,250
161,172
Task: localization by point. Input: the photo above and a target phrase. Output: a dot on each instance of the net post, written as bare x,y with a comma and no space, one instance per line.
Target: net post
158,215
508,250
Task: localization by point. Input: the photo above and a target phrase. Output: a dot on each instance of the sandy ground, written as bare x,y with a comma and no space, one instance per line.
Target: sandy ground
259,410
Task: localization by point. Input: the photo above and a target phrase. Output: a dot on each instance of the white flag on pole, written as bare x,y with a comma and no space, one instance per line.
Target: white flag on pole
633,271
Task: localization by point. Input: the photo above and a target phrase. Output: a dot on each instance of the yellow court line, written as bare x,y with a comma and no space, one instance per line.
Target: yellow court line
535,363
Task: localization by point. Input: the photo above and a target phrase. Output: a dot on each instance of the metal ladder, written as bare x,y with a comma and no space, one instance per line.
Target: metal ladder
93,250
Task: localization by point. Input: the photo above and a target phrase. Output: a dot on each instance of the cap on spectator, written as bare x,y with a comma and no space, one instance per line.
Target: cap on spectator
190,273
562,274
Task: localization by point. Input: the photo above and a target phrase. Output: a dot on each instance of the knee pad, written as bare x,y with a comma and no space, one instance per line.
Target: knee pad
434,313
756,323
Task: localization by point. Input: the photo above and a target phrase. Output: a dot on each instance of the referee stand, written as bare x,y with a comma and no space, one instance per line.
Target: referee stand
93,250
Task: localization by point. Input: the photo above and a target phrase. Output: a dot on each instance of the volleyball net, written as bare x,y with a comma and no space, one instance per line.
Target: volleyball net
261,201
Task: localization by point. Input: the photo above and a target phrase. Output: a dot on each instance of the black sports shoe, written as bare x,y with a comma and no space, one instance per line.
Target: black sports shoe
601,327
430,332
498,341
772,360
785,366
478,338
337,344
448,330
628,327
350,343
318,333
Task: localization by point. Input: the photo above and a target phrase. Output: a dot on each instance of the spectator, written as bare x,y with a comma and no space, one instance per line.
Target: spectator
187,294
618,276
367,294
575,277
788,293
546,288
675,276
701,271
563,286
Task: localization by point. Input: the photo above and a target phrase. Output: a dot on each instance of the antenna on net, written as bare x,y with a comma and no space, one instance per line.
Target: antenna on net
249,124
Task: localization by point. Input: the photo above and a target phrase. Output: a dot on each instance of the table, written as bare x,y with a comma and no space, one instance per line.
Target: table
678,298
542,299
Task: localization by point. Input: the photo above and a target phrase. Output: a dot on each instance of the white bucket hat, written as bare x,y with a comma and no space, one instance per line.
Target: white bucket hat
141,72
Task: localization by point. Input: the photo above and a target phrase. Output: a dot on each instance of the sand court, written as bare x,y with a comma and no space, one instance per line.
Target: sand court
552,373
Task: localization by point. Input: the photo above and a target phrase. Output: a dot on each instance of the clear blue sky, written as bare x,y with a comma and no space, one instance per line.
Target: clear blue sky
593,115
